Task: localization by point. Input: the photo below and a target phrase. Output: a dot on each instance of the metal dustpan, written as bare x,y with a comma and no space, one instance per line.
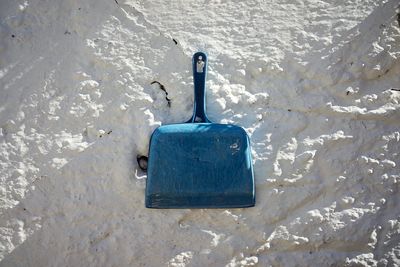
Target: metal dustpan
199,164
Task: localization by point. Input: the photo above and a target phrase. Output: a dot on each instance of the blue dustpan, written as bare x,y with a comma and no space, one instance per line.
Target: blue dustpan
199,164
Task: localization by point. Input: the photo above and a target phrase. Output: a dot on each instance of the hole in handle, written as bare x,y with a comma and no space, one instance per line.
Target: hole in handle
200,65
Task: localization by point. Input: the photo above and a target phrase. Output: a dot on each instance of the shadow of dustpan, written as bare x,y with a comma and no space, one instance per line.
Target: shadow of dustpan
199,164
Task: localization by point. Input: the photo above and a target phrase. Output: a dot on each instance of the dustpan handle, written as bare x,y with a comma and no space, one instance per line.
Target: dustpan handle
199,62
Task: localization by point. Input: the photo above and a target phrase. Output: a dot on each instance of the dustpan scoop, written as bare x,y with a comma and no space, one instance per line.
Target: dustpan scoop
199,164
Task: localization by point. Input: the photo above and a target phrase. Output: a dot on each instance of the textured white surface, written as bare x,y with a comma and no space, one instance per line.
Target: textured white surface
314,83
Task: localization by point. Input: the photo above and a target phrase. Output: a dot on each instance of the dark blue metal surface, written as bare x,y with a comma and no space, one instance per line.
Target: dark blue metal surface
199,164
